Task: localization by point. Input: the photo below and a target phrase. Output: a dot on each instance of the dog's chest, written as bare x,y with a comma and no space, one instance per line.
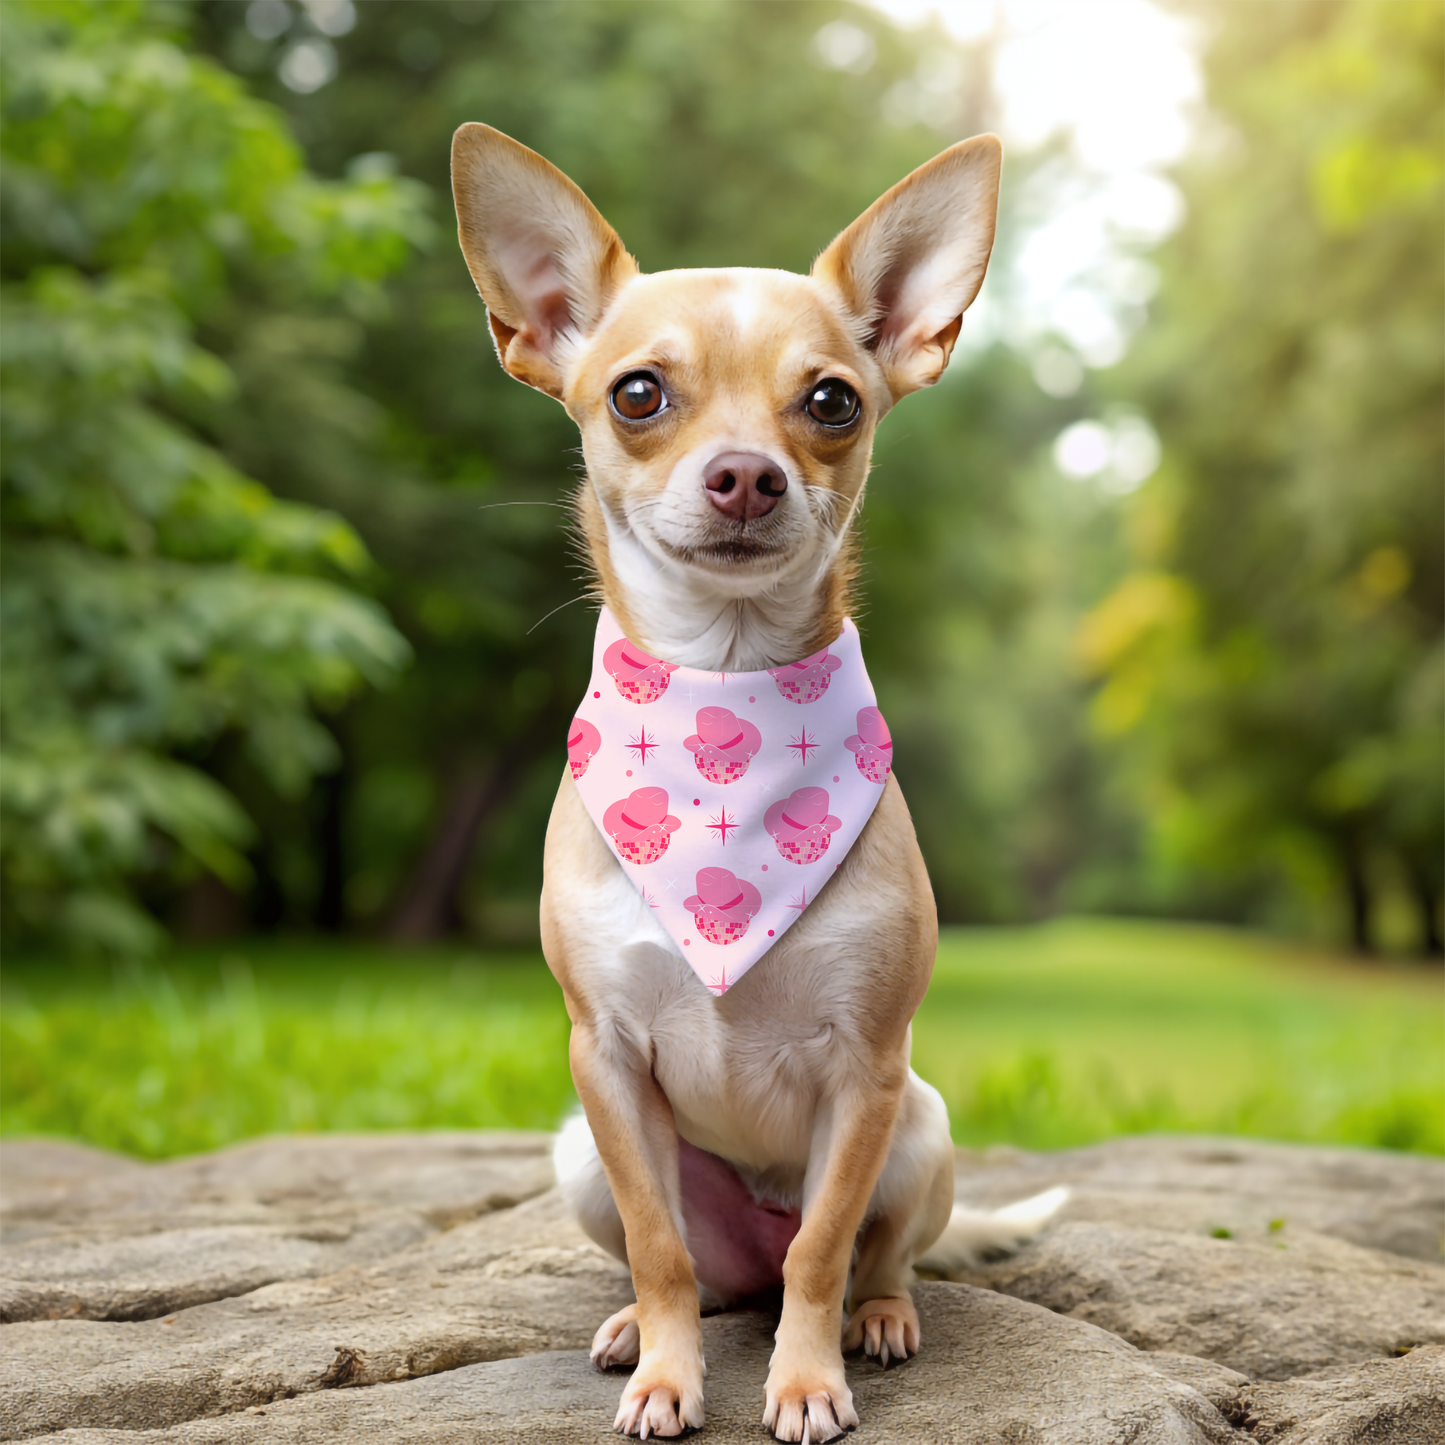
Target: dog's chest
747,1070
744,1069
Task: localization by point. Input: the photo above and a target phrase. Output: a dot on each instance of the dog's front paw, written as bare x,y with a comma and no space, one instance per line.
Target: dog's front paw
887,1328
663,1397
810,1402
617,1341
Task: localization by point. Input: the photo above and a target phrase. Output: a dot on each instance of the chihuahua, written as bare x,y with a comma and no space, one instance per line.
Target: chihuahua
774,1134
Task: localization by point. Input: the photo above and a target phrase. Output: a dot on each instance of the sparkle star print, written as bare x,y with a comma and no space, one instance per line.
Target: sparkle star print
729,798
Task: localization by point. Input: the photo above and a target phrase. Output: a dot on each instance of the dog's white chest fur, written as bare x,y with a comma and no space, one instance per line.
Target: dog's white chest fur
744,1072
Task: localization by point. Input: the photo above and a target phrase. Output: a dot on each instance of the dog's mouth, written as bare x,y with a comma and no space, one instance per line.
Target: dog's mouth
739,547
734,552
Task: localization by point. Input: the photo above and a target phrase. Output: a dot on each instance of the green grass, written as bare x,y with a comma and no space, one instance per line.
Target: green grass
1084,1029
1040,1037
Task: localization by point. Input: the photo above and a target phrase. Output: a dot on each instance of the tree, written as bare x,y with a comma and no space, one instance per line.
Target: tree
1276,653
155,598
708,133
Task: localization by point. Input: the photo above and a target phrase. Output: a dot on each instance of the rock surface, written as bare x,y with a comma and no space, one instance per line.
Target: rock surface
1272,1308
432,1288
1393,1202
89,1235
993,1369
1401,1402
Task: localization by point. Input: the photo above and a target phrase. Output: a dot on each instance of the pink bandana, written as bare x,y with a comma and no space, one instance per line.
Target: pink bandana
729,797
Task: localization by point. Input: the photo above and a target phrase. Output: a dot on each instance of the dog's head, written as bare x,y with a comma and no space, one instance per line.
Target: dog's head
727,416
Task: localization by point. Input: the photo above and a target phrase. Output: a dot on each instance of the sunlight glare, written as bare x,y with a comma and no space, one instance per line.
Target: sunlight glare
1116,73
307,66
1119,81
1119,455
844,47
965,20
1082,450
1120,76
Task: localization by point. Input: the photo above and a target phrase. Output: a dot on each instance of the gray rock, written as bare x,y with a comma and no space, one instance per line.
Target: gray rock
1380,1200
36,1174
1273,1308
141,1277
1400,1402
432,1287
48,1186
514,1283
1217,1383
992,1370
89,1235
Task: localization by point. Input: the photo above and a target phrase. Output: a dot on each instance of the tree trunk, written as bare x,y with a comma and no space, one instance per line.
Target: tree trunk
1427,899
426,908
1361,930
330,914
209,911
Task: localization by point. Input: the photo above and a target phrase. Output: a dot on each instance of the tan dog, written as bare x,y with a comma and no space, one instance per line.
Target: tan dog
775,1134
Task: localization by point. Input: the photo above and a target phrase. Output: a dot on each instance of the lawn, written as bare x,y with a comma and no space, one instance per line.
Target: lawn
1041,1037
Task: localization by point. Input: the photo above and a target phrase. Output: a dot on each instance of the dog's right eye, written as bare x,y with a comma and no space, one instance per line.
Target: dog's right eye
833,403
637,397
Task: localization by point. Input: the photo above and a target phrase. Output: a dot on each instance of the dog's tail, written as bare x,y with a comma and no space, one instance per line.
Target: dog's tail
972,1235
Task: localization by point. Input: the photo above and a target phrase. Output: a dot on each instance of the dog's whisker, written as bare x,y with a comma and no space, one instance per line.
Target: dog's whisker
581,597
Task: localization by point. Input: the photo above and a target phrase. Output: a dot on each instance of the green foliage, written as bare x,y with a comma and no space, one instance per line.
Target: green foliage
1277,658
463,495
979,559
1039,1037
463,491
211,356
154,597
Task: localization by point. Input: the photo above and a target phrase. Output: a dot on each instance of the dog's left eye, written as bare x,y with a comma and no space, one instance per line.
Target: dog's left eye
832,402
638,396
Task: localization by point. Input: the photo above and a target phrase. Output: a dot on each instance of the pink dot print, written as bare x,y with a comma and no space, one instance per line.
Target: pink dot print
770,933
596,694
835,776
697,802
752,699
629,774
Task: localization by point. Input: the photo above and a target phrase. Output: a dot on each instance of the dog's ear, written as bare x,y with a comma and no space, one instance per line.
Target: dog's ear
911,264
543,259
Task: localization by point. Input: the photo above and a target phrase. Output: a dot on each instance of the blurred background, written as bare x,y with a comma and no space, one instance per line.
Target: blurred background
1153,580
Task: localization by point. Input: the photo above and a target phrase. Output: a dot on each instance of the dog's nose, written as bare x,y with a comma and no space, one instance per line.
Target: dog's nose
744,485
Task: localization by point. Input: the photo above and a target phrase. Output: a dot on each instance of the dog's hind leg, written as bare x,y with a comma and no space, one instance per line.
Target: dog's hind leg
910,1208
912,1219
583,1182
